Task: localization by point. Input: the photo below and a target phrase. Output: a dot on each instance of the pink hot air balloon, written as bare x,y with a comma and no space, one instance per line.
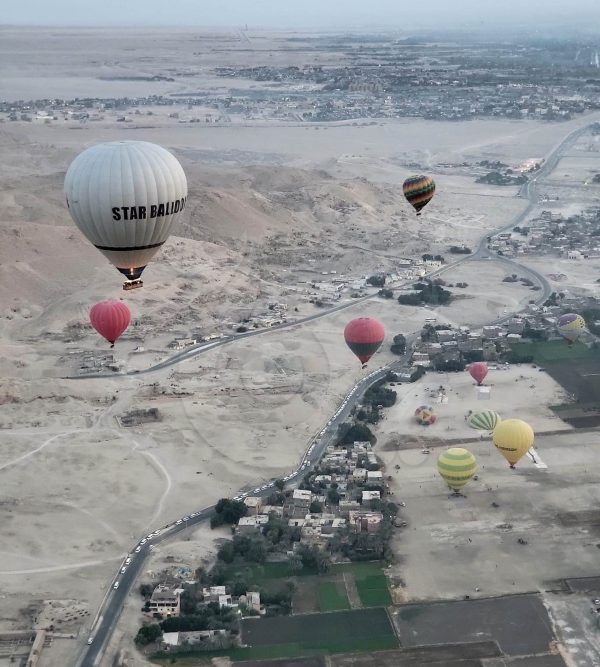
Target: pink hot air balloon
478,371
110,319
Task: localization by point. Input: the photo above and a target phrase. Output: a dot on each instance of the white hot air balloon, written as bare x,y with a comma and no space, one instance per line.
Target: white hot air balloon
125,196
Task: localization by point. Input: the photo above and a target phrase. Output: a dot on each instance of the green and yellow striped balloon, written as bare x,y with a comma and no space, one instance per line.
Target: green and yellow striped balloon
419,191
486,420
456,467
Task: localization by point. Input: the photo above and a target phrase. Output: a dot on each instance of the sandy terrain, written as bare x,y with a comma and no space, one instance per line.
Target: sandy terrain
519,392
270,205
452,546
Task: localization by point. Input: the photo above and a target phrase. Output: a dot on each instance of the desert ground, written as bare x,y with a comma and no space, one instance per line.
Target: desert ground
264,219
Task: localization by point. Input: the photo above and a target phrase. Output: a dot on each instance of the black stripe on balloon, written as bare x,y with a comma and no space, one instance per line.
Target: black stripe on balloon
364,349
129,248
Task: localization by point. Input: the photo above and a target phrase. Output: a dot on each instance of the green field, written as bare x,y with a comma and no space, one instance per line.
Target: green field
256,573
373,590
330,598
577,370
370,582
332,632
556,351
309,634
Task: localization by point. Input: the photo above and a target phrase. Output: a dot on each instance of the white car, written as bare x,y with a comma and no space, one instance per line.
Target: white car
193,515
178,522
116,585
266,486
144,541
127,561
238,498
244,495
257,489
148,537
138,549
186,518
123,570
90,640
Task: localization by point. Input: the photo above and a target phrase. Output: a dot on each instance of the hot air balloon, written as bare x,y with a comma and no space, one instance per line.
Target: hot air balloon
486,420
424,415
571,327
456,467
419,191
364,336
478,371
110,319
513,437
125,196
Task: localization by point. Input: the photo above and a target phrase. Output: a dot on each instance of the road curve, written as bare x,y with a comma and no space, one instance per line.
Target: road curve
115,599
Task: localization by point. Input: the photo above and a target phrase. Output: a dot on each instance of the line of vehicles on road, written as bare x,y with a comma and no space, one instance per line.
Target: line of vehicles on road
241,496
305,460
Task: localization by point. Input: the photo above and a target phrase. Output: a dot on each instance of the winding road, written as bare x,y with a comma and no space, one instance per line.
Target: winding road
112,605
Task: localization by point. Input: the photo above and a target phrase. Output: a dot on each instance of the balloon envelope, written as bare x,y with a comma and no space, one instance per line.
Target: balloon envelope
125,197
424,415
571,326
478,371
486,420
456,467
419,191
110,319
513,437
364,336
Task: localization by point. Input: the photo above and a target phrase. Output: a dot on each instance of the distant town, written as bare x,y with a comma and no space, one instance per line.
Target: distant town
376,79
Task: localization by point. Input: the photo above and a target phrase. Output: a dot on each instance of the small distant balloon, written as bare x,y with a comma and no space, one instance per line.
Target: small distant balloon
478,371
456,467
425,415
419,191
513,438
571,327
110,319
364,336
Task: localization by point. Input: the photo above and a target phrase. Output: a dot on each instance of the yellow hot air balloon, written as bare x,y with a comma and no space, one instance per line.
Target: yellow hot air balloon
513,437
456,467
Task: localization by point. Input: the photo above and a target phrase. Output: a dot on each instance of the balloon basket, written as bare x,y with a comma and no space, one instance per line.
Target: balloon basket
132,284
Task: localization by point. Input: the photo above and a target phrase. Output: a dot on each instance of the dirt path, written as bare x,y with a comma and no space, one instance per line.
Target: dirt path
352,591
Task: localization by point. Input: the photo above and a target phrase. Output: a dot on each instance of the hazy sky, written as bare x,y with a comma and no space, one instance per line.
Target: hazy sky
393,14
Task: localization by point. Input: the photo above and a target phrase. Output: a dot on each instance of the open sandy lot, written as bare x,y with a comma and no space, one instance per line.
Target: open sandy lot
452,546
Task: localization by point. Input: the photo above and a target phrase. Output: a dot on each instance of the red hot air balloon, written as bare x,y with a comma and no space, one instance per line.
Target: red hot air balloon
478,371
364,336
110,319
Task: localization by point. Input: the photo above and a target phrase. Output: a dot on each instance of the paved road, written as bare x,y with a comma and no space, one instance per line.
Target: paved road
116,597
113,604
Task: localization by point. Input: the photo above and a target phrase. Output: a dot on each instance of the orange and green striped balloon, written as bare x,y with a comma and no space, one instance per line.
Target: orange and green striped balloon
419,191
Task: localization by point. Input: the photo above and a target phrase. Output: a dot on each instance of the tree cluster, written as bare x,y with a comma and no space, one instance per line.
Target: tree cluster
449,366
399,344
377,280
209,617
148,633
380,395
426,292
228,512
460,250
356,432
